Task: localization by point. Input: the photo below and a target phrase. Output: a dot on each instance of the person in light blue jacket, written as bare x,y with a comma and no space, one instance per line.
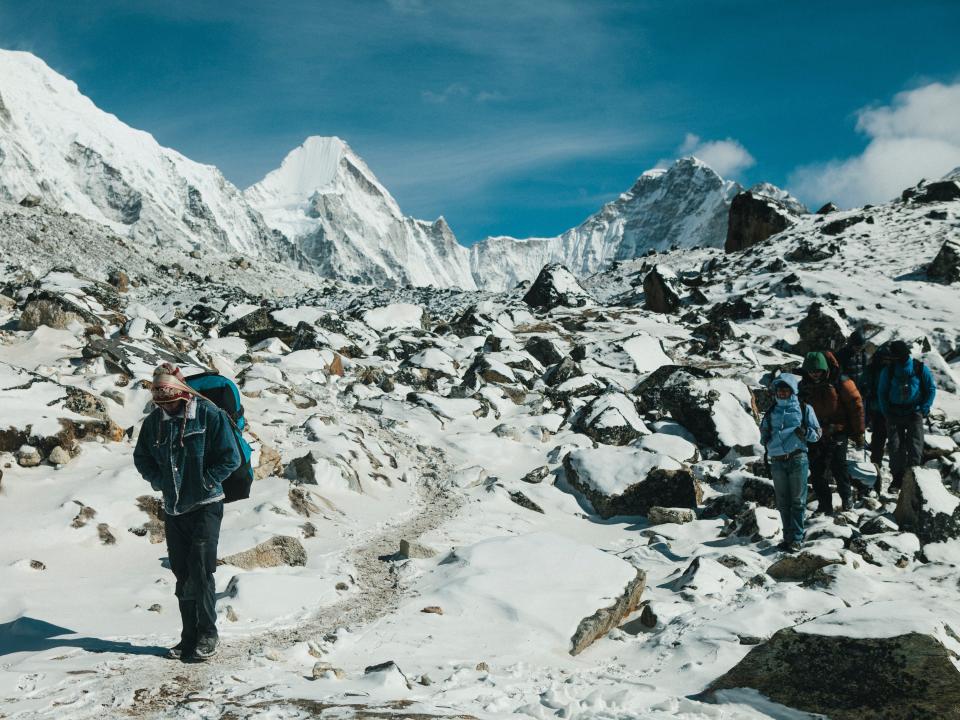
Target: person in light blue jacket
785,431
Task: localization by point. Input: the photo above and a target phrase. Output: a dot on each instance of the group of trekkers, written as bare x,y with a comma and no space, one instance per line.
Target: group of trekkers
834,400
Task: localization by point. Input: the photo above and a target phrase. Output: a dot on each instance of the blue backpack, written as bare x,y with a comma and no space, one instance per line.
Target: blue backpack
224,393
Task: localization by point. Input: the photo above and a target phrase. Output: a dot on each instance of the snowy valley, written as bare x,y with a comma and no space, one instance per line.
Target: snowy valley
521,479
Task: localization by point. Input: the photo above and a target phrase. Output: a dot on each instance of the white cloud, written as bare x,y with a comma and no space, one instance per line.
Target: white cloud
728,157
917,136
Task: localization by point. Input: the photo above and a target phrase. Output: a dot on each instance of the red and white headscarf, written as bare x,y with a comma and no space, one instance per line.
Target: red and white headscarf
169,387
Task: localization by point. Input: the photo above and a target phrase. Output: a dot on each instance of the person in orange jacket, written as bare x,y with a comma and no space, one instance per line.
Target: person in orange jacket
839,407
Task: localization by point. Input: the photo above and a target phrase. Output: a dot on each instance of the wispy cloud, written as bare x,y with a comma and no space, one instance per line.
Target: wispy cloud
460,91
424,173
916,136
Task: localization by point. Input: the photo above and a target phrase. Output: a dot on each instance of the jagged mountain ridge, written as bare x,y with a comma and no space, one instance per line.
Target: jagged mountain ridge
326,198
323,208
56,145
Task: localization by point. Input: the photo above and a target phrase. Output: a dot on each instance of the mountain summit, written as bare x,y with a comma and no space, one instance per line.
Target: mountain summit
57,145
325,198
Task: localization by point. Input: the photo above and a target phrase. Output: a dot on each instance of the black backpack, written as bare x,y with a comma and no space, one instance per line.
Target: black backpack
224,393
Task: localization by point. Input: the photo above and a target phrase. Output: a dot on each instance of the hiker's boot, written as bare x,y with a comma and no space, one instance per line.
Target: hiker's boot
846,504
206,648
176,652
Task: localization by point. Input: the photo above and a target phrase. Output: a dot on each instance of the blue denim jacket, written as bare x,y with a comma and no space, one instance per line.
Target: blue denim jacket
188,467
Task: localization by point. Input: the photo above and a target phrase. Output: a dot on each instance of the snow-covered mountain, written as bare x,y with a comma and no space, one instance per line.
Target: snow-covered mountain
56,145
325,198
684,205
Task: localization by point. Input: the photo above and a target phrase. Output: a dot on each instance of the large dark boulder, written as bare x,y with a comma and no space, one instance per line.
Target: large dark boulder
906,676
822,329
556,286
662,290
754,218
938,191
945,267
256,326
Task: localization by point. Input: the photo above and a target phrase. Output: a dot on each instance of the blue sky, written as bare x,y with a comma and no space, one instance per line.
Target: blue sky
523,117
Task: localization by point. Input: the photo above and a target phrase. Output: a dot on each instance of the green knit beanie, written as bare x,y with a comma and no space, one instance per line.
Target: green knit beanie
815,361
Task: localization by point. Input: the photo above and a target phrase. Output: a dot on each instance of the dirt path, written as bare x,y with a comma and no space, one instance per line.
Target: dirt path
161,688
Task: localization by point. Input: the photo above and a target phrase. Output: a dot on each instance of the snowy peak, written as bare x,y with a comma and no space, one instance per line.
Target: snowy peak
684,205
305,170
57,145
325,198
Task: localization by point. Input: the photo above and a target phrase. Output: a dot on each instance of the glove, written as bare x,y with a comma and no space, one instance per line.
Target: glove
799,433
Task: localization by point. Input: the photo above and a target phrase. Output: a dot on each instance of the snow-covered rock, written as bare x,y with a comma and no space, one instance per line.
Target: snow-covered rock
926,508
611,419
621,481
556,286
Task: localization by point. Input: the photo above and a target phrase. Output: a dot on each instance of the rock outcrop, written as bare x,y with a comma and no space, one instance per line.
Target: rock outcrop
278,550
556,286
753,219
926,508
606,619
945,267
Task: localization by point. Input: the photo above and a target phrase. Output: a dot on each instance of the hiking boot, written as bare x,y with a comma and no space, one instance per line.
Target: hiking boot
783,545
175,652
794,547
846,504
206,648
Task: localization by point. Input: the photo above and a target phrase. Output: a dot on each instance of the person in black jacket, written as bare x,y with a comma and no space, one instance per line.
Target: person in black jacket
853,358
876,421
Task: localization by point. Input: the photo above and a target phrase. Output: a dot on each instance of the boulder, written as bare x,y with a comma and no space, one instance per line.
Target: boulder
872,661
802,566
544,350
754,218
605,619
622,481
556,286
611,419
28,456
835,227
938,191
945,267
257,326
30,201
59,456
822,329
926,508
120,280
663,516
662,290
278,550
714,410
828,208
270,463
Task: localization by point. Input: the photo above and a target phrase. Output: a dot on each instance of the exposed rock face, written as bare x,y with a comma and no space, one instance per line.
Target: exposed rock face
661,290
910,676
945,267
827,209
821,330
556,286
926,508
754,218
278,550
605,619
938,191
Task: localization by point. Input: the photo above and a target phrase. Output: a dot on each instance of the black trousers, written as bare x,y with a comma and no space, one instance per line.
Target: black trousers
905,441
829,452
192,548
878,437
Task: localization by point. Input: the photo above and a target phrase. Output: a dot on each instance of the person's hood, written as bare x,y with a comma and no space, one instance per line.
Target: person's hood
790,380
